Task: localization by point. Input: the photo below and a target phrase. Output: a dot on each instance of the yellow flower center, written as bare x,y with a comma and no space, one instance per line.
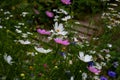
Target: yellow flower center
58,30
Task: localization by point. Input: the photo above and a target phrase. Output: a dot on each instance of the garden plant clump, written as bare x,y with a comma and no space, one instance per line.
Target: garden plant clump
39,40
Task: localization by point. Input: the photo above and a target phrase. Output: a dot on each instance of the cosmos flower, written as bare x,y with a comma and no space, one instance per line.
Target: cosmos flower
60,41
8,59
24,14
59,11
70,62
42,50
109,45
85,58
98,65
7,12
1,26
72,78
67,2
31,53
96,77
24,42
49,14
66,18
42,31
21,24
18,31
59,30
24,35
84,76
93,69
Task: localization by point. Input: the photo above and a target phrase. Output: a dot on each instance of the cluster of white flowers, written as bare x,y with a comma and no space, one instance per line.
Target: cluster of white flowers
113,15
61,11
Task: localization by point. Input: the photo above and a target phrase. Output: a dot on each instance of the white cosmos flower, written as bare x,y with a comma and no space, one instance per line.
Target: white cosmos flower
31,53
22,24
98,66
71,78
85,58
84,76
24,14
70,62
66,18
109,45
59,29
7,12
1,26
96,78
60,11
24,42
24,35
8,59
17,26
63,11
18,31
42,50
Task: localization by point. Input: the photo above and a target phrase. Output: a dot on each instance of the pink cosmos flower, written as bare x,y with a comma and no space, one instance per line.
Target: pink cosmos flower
43,32
67,2
60,41
93,69
49,14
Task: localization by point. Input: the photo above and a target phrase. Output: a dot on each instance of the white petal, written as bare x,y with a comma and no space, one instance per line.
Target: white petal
8,59
24,42
42,50
63,33
18,31
81,54
75,39
72,78
85,58
98,66
84,76
1,26
56,25
88,58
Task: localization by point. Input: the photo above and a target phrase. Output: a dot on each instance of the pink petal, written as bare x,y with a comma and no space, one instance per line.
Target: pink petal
43,31
66,2
49,14
94,70
65,42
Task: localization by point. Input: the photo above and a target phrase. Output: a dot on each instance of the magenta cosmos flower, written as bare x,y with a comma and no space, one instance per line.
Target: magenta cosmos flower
60,41
94,70
42,31
49,14
67,2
